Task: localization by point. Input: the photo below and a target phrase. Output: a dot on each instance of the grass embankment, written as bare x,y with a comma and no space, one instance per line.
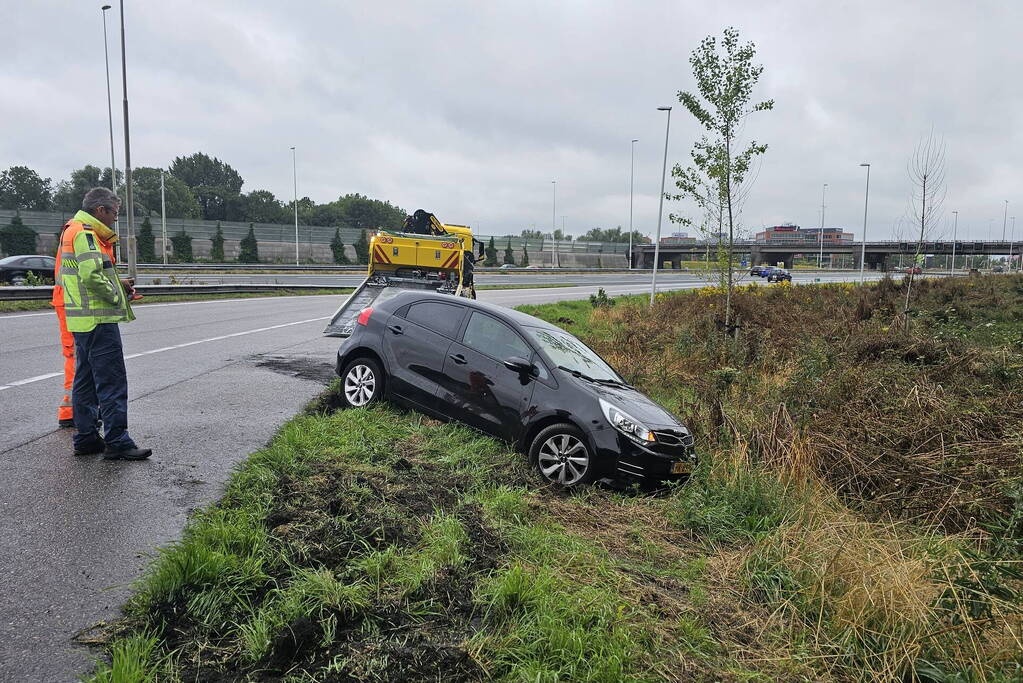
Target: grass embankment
857,515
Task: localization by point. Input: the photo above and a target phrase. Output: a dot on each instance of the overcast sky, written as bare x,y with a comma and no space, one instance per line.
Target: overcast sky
471,109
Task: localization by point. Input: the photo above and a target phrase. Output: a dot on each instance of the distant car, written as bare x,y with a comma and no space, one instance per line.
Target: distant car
760,271
515,377
779,275
15,269
534,267
508,266
998,269
915,270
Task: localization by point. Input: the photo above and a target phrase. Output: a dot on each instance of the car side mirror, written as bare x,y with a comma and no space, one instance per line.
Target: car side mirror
520,365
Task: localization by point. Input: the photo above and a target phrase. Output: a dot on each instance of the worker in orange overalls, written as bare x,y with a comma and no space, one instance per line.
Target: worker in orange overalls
65,416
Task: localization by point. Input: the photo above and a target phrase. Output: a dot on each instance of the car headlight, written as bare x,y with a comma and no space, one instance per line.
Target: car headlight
626,424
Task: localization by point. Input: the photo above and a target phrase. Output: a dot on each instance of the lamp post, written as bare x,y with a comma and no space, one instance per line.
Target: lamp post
632,179
660,210
554,221
863,248
1012,236
110,119
955,226
163,220
820,256
130,242
1004,215
294,170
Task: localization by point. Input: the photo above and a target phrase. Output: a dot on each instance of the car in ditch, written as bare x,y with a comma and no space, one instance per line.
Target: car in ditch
517,378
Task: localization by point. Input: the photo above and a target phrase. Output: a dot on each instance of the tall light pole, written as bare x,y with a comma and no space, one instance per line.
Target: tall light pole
1004,216
955,226
130,243
660,210
110,119
554,223
820,257
632,180
1012,237
294,171
863,248
163,220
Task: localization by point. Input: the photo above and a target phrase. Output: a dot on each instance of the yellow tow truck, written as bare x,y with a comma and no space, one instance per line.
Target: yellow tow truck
425,254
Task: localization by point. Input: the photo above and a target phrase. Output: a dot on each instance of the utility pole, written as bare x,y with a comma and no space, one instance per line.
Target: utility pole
632,180
554,223
955,226
820,257
660,210
110,121
130,242
163,219
294,168
863,249
1004,215
1012,236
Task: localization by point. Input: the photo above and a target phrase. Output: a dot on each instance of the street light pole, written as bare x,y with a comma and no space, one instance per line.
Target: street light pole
660,210
863,248
163,219
632,180
1004,215
820,256
110,119
294,169
554,223
955,226
130,242
1012,236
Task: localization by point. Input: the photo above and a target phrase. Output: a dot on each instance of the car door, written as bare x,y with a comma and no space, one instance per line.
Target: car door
477,387
416,341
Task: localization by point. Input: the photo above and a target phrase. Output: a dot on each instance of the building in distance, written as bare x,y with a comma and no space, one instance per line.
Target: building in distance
793,234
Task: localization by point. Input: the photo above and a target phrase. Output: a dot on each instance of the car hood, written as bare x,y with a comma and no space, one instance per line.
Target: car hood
633,402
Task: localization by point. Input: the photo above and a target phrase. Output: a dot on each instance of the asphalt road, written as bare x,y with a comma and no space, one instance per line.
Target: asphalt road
209,382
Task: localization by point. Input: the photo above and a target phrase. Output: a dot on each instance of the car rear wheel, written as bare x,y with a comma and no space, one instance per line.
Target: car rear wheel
362,382
560,454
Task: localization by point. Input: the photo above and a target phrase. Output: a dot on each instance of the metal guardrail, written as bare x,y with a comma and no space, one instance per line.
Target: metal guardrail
291,268
44,292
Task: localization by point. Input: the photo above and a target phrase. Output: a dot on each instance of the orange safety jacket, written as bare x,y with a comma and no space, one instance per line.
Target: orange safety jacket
66,244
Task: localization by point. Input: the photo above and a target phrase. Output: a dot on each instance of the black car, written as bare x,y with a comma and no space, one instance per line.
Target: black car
779,275
515,377
15,269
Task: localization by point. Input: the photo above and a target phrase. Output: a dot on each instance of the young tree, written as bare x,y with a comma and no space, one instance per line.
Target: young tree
248,248
217,245
715,181
491,253
509,257
525,256
337,246
17,238
362,248
927,174
182,244
146,243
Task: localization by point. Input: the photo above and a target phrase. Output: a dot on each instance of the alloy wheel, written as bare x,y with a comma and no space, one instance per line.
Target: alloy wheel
360,384
563,459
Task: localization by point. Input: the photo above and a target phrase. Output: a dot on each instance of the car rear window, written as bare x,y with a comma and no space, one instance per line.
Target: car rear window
441,318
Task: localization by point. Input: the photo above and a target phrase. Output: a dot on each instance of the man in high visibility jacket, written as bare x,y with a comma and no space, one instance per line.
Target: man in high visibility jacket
94,303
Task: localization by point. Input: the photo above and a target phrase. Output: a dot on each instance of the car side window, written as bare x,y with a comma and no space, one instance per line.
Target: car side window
441,318
492,337
35,262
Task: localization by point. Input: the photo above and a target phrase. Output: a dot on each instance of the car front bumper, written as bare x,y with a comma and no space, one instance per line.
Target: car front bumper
626,461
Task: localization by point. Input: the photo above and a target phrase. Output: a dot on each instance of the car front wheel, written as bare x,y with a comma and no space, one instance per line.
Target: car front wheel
362,382
560,454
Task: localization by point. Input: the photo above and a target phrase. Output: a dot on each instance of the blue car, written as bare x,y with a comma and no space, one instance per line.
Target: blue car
760,271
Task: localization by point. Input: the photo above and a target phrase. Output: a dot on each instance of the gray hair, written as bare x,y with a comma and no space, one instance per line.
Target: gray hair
100,196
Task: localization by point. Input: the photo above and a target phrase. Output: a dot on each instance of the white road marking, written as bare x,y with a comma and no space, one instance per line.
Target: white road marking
184,303
39,378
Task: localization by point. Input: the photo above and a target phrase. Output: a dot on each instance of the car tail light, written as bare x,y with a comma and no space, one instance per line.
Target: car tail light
364,316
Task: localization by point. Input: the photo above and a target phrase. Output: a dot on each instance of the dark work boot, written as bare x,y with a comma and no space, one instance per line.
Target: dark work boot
127,454
91,447
66,424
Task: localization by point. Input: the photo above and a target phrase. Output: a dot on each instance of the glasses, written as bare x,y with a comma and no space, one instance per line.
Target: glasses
113,212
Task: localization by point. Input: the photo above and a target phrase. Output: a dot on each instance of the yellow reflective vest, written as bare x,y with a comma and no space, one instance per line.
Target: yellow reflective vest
93,293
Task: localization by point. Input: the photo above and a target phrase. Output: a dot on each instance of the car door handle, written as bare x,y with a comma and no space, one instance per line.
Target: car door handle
396,329
458,358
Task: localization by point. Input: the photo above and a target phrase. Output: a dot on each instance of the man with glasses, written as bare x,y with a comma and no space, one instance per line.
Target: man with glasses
94,301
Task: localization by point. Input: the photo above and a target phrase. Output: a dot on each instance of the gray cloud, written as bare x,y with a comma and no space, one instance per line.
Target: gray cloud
471,109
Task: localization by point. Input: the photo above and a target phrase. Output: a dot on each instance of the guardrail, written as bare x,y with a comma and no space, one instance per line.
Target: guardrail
44,292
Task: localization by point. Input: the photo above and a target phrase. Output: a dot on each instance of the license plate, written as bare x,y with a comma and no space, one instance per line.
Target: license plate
681,468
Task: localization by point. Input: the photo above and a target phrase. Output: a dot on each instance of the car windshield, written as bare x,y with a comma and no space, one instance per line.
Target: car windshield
568,352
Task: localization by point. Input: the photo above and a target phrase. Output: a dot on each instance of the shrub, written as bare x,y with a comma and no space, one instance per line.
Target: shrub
147,242
362,248
337,247
17,238
249,247
217,245
182,243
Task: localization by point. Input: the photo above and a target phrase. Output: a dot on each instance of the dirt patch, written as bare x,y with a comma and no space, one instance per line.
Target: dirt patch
302,367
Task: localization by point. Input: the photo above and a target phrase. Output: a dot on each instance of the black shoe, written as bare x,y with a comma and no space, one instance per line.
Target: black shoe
127,454
65,424
91,448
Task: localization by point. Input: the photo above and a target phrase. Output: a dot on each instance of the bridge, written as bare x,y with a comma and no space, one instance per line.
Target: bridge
878,255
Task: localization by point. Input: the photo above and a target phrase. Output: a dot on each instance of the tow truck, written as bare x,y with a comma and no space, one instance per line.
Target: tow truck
426,254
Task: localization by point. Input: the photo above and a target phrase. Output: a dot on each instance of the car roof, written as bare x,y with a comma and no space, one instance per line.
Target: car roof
508,314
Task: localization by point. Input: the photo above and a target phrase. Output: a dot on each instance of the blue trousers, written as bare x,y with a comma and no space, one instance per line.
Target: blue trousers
100,391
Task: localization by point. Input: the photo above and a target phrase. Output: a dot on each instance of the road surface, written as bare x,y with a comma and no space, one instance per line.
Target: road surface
209,382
